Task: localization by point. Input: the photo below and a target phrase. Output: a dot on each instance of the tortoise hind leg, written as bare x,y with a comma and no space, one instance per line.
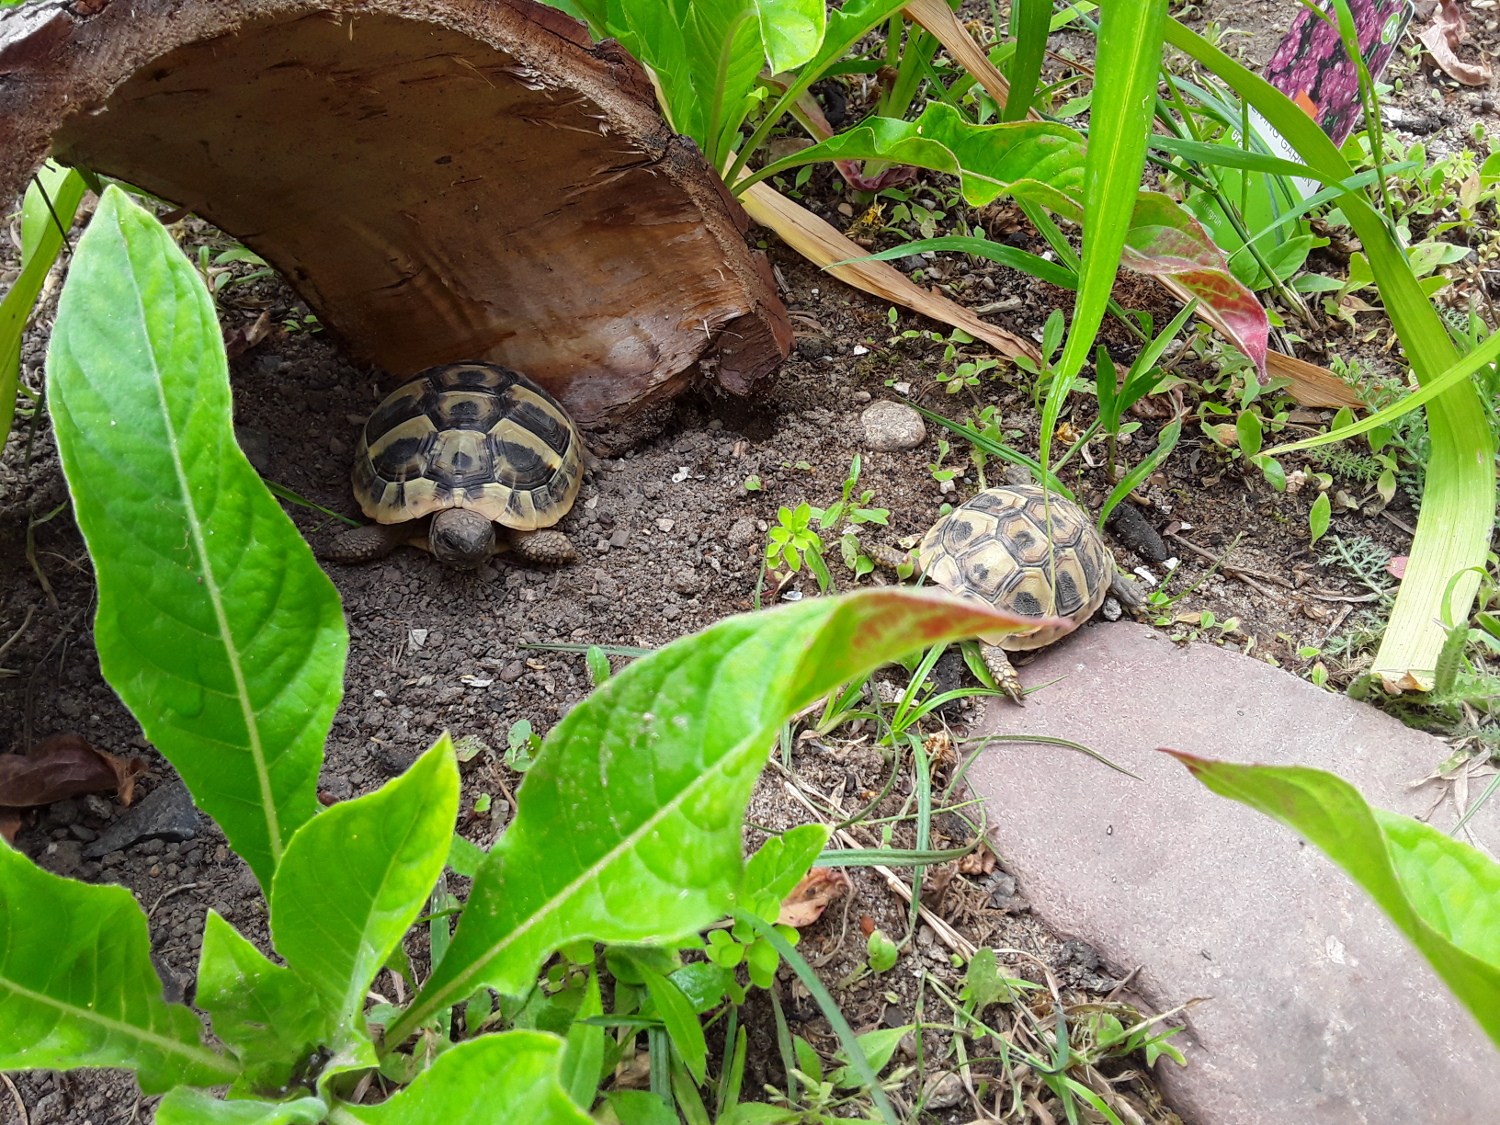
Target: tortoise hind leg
1004,672
369,543
549,547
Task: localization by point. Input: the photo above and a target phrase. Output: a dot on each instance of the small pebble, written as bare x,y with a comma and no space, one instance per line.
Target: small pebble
892,426
943,1090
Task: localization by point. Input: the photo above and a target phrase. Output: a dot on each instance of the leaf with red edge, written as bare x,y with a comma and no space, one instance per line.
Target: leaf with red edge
629,825
1172,246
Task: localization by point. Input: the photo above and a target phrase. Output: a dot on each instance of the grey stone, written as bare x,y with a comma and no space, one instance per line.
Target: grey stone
892,426
255,443
741,532
944,1090
62,857
97,807
167,814
50,1109
1318,1010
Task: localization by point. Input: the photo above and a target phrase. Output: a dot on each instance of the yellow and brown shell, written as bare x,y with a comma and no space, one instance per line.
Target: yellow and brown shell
1020,549
469,435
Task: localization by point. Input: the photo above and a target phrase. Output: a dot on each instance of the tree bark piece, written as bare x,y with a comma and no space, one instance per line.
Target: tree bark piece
440,180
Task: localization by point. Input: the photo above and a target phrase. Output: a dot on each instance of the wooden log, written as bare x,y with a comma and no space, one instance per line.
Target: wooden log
440,180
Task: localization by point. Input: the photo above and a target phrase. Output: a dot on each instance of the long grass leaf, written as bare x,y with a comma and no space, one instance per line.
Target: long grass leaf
1458,507
1130,41
1030,23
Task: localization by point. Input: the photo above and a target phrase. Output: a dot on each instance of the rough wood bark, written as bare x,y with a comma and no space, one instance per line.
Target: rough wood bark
441,180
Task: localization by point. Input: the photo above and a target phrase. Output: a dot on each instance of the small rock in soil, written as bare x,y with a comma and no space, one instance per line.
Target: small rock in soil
891,427
944,1090
52,1109
814,347
167,814
256,445
1135,533
395,760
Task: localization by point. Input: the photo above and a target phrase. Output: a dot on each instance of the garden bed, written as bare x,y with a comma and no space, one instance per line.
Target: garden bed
670,540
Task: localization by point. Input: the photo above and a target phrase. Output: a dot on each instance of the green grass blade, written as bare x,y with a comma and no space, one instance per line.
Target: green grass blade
1129,54
41,241
1033,264
1030,24
831,1013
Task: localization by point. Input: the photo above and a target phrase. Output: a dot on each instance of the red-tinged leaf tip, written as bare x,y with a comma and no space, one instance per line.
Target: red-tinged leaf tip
1167,242
1191,761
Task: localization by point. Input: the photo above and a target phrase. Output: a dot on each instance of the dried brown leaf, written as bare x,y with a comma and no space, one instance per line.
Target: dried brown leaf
1313,385
61,766
981,861
822,245
935,887
809,898
1442,37
10,824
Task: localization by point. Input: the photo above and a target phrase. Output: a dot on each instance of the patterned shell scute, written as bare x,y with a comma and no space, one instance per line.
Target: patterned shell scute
469,435
996,548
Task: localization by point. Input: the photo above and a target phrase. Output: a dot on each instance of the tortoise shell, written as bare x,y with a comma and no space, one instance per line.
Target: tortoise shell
1019,549
469,435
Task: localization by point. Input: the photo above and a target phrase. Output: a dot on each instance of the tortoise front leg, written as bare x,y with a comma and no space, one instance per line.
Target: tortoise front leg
371,542
551,548
1004,672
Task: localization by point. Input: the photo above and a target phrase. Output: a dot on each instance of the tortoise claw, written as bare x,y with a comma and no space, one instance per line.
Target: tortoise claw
548,547
1004,672
366,544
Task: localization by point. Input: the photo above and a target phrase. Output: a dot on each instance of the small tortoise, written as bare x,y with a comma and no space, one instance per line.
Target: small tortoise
455,451
1004,547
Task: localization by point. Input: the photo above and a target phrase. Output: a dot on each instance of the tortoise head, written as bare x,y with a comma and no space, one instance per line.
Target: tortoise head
461,538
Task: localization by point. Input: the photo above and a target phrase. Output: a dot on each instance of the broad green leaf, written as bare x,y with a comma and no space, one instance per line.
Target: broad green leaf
1036,159
1318,516
641,1107
77,987
264,1012
792,31
464,857
583,1061
41,240
506,1079
681,1019
1458,506
777,865
355,877
1125,76
1441,893
725,54
184,1106
629,822
878,1047
844,28
215,625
